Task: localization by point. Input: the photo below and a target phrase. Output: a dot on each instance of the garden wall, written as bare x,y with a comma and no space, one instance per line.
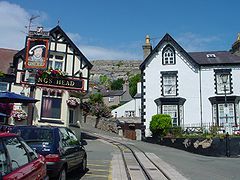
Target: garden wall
217,147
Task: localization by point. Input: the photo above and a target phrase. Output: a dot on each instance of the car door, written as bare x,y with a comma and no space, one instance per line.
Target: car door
69,152
22,166
79,150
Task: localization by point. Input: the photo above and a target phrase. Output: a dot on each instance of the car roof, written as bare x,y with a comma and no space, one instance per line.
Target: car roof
6,134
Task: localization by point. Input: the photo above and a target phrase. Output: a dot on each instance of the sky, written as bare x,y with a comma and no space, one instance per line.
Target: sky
116,30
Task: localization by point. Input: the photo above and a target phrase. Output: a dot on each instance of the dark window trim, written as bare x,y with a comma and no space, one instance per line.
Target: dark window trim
174,54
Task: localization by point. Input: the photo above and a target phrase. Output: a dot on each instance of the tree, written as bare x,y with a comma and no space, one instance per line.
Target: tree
133,84
86,107
95,98
104,80
160,124
98,108
117,84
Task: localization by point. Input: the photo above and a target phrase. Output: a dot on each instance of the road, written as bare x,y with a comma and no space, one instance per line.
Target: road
192,166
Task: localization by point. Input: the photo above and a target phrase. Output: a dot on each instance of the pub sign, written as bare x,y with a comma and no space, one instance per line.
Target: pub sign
36,53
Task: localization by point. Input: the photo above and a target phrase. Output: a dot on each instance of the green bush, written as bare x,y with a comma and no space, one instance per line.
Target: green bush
176,131
160,124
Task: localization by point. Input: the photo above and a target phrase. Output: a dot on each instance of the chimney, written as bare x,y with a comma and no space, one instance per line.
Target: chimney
147,48
236,46
126,86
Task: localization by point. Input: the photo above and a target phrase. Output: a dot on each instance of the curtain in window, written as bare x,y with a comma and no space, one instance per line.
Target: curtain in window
47,104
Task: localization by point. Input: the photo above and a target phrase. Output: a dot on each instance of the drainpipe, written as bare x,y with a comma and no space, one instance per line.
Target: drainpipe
200,92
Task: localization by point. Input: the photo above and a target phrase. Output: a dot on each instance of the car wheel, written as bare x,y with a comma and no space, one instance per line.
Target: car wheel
84,164
62,174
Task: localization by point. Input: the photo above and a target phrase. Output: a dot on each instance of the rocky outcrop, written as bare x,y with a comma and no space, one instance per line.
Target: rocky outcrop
114,69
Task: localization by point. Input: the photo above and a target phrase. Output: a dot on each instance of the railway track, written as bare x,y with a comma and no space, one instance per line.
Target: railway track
140,165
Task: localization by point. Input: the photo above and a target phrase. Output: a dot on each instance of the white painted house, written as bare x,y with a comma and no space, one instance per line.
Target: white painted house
131,108
194,88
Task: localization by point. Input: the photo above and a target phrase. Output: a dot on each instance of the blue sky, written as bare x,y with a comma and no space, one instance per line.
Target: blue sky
108,29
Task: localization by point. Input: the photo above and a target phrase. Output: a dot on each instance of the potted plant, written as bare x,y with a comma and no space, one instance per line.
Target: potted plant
19,115
73,102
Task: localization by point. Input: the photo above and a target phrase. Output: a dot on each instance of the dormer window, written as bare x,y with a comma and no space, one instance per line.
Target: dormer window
168,55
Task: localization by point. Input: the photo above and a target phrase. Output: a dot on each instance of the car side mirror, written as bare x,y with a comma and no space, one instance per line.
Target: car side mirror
83,142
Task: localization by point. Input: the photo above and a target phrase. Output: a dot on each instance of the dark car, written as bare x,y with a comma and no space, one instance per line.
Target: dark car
18,160
59,145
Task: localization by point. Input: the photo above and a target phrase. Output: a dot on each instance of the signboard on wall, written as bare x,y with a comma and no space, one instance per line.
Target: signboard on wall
36,53
60,83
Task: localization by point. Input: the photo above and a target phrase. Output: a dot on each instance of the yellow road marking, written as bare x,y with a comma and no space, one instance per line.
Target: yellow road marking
103,165
96,175
110,172
99,170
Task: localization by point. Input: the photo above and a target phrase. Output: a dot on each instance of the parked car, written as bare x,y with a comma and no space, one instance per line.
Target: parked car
59,145
18,160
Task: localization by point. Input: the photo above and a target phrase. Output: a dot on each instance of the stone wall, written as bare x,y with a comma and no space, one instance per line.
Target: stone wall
105,124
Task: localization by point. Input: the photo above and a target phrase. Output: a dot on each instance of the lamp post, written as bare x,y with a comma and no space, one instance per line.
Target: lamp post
224,78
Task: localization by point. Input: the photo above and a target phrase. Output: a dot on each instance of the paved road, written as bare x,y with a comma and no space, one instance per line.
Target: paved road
99,161
192,166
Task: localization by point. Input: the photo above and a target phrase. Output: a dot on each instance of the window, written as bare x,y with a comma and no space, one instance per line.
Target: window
17,154
171,110
111,99
51,105
68,138
168,55
72,114
223,81
226,114
3,86
169,83
56,62
173,106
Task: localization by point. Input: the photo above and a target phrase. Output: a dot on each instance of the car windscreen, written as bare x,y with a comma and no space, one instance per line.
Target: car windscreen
35,135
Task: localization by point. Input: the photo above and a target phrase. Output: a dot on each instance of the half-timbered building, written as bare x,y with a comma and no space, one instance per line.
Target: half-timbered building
60,87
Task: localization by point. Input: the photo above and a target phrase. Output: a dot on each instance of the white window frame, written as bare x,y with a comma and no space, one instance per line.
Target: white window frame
169,85
168,56
171,110
53,61
220,84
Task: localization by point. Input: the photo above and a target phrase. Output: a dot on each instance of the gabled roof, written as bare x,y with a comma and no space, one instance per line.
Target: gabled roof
58,29
169,39
197,58
6,57
220,58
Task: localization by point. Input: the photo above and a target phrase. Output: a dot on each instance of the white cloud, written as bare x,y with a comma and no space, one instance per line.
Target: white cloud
193,42
100,53
12,25
13,20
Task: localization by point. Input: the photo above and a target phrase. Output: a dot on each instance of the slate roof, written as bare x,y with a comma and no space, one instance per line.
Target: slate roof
112,93
222,58
197,58
6,57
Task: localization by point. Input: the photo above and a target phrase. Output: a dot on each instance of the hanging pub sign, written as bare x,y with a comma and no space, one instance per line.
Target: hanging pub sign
36,53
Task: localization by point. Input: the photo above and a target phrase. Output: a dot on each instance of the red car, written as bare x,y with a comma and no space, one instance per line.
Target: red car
19,161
